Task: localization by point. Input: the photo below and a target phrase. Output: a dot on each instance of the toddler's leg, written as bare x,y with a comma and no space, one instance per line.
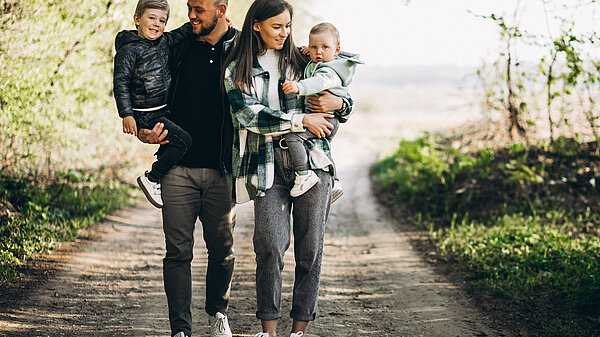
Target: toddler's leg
295,143
305,177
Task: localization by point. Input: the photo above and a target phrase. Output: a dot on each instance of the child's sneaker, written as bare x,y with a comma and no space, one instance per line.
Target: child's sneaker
303,183
297,334
336,191
151,190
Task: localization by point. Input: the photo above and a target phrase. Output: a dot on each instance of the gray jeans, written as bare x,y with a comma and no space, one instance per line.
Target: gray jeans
189,194
272,232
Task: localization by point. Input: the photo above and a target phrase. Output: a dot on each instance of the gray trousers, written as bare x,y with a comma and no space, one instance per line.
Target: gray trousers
189,194
272,232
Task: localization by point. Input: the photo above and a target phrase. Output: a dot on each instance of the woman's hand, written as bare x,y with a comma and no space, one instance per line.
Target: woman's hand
324,102
154,136
317,124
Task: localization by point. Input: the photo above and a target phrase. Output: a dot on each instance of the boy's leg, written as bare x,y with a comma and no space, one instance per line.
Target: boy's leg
179,142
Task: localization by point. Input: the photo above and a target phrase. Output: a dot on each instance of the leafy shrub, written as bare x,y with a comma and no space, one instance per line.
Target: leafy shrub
523,220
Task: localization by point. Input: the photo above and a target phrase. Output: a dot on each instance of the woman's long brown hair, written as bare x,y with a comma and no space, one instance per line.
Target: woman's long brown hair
250,45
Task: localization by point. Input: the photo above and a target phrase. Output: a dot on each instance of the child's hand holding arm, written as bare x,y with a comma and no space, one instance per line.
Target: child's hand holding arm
129,125
290,86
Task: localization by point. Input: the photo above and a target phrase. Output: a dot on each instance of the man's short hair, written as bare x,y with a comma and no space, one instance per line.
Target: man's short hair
224,2
326,27
142,5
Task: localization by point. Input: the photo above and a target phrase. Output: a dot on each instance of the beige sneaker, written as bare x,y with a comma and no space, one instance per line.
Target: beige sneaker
220,326
151,190
303,183
336,191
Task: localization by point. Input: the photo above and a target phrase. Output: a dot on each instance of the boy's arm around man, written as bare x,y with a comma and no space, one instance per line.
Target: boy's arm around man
177,36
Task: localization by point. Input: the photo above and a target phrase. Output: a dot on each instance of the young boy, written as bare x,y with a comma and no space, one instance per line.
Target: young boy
327,70
141,79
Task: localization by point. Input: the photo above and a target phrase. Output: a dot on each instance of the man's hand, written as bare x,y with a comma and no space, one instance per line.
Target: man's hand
154,136
324,102
290,86
129,126
317,124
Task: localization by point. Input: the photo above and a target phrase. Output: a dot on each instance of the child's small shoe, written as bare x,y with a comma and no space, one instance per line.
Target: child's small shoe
151,190
303,183
336,191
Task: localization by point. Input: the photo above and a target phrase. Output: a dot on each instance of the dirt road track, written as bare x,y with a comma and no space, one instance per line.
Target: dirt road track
373,282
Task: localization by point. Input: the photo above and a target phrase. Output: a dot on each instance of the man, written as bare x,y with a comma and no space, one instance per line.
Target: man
199,186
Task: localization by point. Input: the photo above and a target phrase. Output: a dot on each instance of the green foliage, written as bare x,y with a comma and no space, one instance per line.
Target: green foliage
566,76
520,256
64,157
523,220
56,87
44,214
428,176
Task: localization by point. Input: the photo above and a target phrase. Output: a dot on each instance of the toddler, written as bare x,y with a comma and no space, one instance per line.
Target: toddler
328,70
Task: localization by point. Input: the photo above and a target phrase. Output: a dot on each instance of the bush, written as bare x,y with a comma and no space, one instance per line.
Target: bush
522,220
43,215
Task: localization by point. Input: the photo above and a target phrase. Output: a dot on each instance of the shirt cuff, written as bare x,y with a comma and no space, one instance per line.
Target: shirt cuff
301,89
297,123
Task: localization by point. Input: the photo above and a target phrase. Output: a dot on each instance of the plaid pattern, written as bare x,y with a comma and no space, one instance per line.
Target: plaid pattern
255,125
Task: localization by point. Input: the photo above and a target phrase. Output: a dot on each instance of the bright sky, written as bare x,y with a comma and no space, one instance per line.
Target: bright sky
389,32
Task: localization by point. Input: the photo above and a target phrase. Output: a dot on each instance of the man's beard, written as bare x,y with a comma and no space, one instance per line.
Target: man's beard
207,30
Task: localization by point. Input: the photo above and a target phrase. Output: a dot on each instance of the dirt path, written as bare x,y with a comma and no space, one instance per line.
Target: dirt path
373,282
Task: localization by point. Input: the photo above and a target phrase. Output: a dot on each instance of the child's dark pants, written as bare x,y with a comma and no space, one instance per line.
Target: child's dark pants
179,141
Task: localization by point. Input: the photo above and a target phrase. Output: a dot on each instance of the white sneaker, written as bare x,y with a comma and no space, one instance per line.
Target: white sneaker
336,191
180,334
297,334
262,334
151,190
220,326
303,183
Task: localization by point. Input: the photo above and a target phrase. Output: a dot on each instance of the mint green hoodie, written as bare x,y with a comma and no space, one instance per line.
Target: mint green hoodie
333,76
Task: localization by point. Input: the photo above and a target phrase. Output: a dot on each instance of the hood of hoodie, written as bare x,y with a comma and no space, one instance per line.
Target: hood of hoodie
125,37
344,65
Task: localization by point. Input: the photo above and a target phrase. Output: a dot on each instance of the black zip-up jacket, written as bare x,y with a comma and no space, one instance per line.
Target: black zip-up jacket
176,59
141,70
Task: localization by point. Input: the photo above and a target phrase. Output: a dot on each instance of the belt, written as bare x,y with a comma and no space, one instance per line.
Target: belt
279,142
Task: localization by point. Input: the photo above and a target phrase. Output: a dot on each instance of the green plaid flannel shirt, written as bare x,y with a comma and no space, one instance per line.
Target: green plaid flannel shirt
255,125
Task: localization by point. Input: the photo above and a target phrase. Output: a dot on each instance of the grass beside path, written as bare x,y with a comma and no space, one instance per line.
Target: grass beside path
36,214
523,221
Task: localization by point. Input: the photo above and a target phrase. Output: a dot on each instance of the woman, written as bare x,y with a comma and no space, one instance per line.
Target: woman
263,58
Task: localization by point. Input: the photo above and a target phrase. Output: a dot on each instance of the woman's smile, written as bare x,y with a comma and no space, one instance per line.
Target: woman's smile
275,30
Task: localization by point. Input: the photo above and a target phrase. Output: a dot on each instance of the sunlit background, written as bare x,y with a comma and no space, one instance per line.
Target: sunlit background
422,59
